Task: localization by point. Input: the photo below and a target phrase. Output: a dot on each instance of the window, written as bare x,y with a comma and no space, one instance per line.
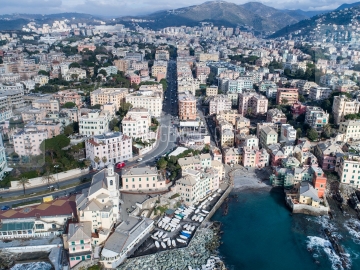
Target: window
111,182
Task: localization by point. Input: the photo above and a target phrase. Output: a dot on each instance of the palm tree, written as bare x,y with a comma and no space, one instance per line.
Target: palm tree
96,160
23,182
87,162
48,178
104,160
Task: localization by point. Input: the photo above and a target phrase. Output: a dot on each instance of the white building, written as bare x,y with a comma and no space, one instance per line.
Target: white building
3,162
218,104
27,141
288,134
136,123
100,204
348,170
94,123
319,93
151,102
110,147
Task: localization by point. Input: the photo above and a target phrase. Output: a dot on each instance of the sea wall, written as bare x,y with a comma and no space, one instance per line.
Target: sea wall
307,209
219,202
24,249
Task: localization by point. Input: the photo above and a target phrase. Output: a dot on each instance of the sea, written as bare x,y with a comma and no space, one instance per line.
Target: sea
260,233
33,266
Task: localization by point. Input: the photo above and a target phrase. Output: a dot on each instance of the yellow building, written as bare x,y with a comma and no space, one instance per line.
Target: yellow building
211,91
308,195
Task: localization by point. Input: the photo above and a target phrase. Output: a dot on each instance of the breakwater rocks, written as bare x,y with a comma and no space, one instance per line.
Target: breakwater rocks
8,259
196,254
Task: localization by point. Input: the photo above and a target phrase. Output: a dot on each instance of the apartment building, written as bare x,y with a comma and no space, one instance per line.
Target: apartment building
349,170
255,157
287,96
162,55
151,102
351,130
287,134
50,105
316,117
27,142
93,123
252,103
109,148
108,95
208,57
68,96
136,123
319,93
227,137
304,86
41,80
229,116
276,116
187,106
342,106
143,178
211,91
219,104
3,161
33,114
326,153
14,99
195,185
159,67
122,64
268,136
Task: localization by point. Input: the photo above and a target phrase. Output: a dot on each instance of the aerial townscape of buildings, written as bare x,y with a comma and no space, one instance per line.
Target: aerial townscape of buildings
157,121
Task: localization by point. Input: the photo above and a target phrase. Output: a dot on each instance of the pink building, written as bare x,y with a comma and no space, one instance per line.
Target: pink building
231,155
79,242
134,78
68,96
254,157
202,70
160,76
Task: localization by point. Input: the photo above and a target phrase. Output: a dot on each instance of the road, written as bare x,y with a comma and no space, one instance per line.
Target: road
167,138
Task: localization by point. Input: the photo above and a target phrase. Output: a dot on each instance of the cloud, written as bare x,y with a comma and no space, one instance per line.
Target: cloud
30,3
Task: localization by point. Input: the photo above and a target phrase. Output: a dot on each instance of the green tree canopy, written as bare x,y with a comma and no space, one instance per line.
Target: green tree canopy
312,134
74,65
69,105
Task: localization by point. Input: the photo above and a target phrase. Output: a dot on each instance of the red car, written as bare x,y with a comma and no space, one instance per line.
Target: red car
120,165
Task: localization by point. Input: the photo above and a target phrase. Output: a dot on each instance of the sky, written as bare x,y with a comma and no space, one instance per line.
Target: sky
140,7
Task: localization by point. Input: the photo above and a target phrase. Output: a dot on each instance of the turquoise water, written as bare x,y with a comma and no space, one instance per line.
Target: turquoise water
259,233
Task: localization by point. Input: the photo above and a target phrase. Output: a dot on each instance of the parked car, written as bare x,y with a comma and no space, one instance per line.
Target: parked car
5,207
120,165
140,159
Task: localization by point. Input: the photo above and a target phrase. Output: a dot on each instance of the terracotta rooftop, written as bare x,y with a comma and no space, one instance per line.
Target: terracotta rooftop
58,207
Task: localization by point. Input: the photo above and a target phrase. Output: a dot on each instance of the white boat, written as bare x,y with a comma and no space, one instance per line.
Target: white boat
201,219
167,227
206,212
186,226
194,217
219,190
166,239
187,232
177,217
181,241
173,243
191,207
156,234
202,214
157,244
197,218
153,237
178,226
169,243
193,228
160,234
163,245
160,224
183,237
197,211
173,229
164,235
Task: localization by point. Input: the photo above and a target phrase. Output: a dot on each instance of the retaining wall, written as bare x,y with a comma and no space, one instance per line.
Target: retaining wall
38,181
45,248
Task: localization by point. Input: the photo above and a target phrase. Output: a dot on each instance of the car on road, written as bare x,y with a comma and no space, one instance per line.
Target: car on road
5,208
120,165
139,159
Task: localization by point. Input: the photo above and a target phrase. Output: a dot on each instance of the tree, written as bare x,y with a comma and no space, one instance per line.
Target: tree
69,105
43,72
54,145
69,130
327,131
104,160
96,160
298,133
87,162
103,72
74,65
23,182
48,178
312,134
162,163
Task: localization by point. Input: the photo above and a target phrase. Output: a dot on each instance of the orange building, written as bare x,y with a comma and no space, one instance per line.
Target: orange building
187,107
319,181
290,95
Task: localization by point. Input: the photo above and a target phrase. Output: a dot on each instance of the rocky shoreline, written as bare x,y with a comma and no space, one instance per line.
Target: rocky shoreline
203,245
8,259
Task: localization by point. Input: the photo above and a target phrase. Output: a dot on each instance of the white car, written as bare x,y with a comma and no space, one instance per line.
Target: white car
140,159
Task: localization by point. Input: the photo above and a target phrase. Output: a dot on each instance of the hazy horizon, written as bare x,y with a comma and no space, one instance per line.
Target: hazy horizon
115,8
